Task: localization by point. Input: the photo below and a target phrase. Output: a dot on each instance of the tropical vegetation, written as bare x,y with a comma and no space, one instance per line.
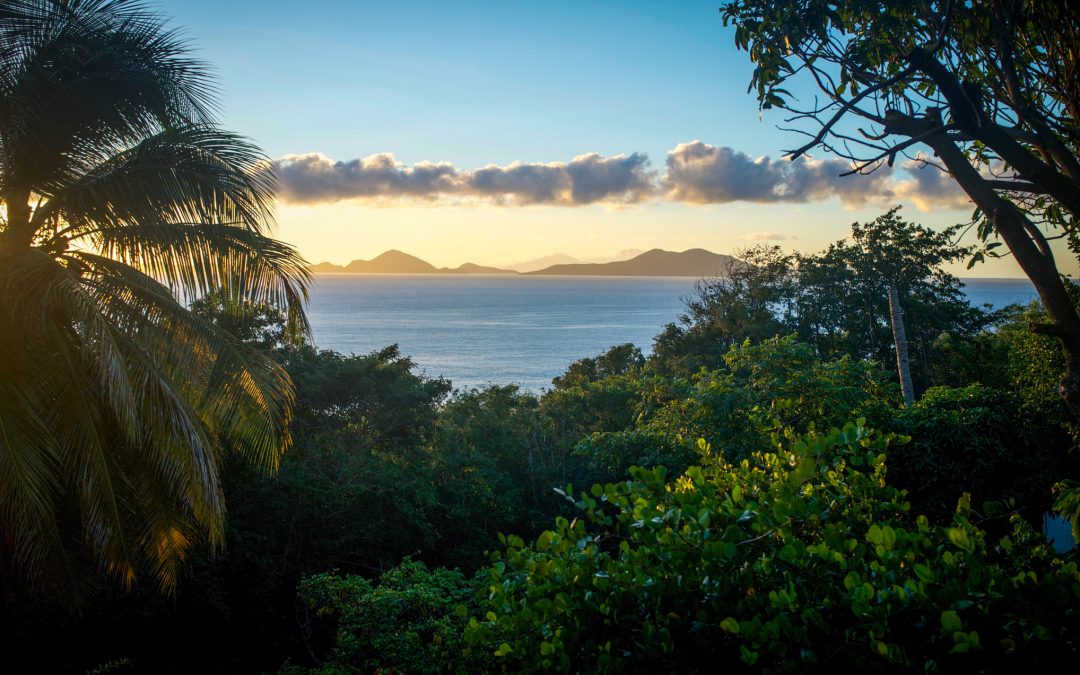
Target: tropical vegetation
985,91
753,493
776,506
122,200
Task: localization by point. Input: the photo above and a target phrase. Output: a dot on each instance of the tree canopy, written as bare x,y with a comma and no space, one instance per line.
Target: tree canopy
988,88
835,300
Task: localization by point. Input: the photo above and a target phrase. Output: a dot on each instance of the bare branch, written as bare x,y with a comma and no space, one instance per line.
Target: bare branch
846,107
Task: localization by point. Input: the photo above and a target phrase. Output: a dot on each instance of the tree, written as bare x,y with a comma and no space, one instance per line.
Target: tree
843,304
122,201
752,300
836,300
990,87
263,325
615,361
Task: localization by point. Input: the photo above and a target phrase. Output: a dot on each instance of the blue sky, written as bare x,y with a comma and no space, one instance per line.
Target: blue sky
474,84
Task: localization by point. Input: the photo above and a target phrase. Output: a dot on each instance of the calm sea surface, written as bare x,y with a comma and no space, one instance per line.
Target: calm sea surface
523,330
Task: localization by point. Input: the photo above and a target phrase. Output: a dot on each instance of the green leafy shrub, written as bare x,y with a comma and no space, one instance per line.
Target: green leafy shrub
977,440
408,622
779,383
796,560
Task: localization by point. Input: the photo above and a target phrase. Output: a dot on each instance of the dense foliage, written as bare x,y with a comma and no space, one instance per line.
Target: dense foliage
836,301
803,558
983,91
405,622
757,497
733,504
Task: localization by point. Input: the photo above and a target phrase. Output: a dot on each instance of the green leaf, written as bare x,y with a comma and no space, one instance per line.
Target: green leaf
730,625
960,539
543,542
950,621
924,572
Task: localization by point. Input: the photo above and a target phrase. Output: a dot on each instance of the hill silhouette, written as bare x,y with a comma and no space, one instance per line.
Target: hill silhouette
397,262
544,262
695,262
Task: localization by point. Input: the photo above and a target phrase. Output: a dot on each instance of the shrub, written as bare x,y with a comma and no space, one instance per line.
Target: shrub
796,560
406,622
978,440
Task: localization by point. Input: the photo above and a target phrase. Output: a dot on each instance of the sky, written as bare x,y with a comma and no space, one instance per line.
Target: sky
498,132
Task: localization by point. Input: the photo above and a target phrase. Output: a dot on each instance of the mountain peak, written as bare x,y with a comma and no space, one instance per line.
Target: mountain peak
695,262
399,262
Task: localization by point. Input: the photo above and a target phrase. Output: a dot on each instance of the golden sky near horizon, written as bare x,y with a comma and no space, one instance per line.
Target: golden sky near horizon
496,133
448,236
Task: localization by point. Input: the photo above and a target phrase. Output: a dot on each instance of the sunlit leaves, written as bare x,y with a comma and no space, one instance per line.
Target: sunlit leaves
657,571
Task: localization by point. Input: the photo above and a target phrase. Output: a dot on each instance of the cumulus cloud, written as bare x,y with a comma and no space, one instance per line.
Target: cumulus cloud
931,188
315,177
586,179
695,173
699,173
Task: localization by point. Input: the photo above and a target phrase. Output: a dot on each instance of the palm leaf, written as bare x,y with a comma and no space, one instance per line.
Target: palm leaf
124,202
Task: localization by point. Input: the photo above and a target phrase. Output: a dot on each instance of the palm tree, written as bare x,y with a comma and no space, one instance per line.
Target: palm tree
120,203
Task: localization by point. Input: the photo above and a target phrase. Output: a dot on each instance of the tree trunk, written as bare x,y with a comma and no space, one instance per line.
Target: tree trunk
1020,235
1011,225
903,365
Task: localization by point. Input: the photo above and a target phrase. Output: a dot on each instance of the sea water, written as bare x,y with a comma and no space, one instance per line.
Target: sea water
524,330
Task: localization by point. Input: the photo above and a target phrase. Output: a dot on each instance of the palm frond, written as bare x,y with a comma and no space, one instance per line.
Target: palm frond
190,174
83,78
116,402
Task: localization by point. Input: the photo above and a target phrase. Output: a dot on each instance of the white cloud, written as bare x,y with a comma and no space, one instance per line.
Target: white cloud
699,173
586,179
931,188
695,173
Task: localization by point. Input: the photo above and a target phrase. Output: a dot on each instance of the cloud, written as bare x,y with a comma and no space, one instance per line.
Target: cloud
695,173
626,177
699,173
314,177
931,188
765,236
586,179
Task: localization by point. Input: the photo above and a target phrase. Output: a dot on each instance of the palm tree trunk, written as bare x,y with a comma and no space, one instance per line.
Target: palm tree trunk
903,365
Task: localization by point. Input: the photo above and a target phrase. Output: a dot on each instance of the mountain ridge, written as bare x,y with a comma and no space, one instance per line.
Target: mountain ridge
398,262
694,262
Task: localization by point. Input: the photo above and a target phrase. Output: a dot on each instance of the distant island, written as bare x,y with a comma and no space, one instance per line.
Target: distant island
396,262
541,263
695,262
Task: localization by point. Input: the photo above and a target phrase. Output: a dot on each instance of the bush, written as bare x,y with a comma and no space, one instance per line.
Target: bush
796,560
406,622
778,384
978,440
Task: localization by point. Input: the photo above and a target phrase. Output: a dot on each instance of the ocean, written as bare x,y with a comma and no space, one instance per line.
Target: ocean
524,330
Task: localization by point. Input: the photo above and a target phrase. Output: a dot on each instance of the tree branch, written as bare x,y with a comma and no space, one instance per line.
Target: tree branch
845,108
